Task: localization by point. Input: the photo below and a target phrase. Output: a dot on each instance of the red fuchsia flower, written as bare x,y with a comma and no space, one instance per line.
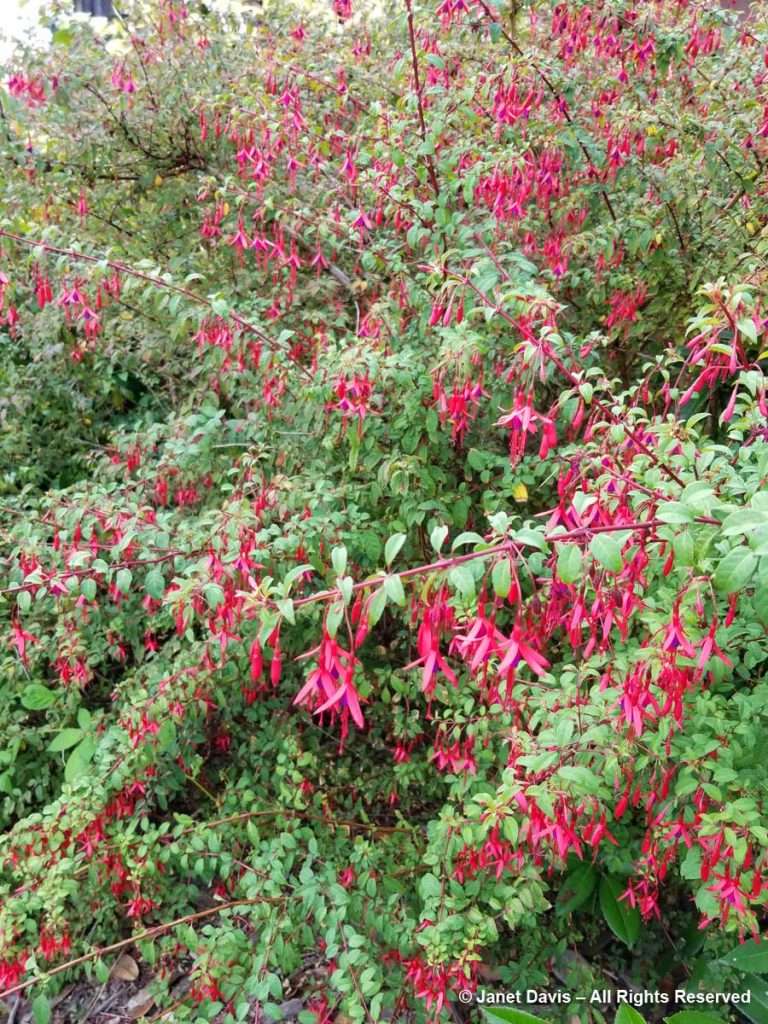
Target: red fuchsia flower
122,80
12,971
240,239
71,299
348,877
348,169
42,289
495,856
524,420
51,945
710,648
643,893
91,321
450,10
624,306
433,982
319,260
732,897
675,638
511,102
617,151
146,727
205,990
461,405
456,757
20,640
516,649
210,228
330,686
342,9
32,88
352,399
82,206
403,749
362,223
437,618
482,641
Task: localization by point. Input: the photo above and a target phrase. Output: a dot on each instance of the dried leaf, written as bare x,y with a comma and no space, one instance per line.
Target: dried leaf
140,1010
126,968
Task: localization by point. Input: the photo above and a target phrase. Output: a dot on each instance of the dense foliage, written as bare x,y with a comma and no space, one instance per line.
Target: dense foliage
383,511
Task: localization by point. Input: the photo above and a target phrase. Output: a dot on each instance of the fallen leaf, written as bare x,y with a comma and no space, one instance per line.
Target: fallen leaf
141,1010
126,968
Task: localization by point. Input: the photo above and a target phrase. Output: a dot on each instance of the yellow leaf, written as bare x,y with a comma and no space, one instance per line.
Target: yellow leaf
520,492
158,180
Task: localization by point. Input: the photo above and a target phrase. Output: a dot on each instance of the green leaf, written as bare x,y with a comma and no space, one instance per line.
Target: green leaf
123,580
749,956
468,537
569,563
578,886
79,759
61,37
214,594
339,560
430,887
88,588
628,1015
41,1007
623,920
748,329
735,570
582,777
334,617
607,551
392,547
692,1017
154,584
757,1007
293,575
377,606
532,538
37,697
65,739
394,589
508,1015
501,577
674,512
743,521
346,586
24,600
437,537
462,579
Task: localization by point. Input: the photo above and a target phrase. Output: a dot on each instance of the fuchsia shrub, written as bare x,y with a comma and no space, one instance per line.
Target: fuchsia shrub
384,529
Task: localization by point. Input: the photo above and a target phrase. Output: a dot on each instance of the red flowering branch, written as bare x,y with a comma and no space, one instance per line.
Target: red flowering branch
123,268
609,413
129,564
505,548
557,96
149,933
